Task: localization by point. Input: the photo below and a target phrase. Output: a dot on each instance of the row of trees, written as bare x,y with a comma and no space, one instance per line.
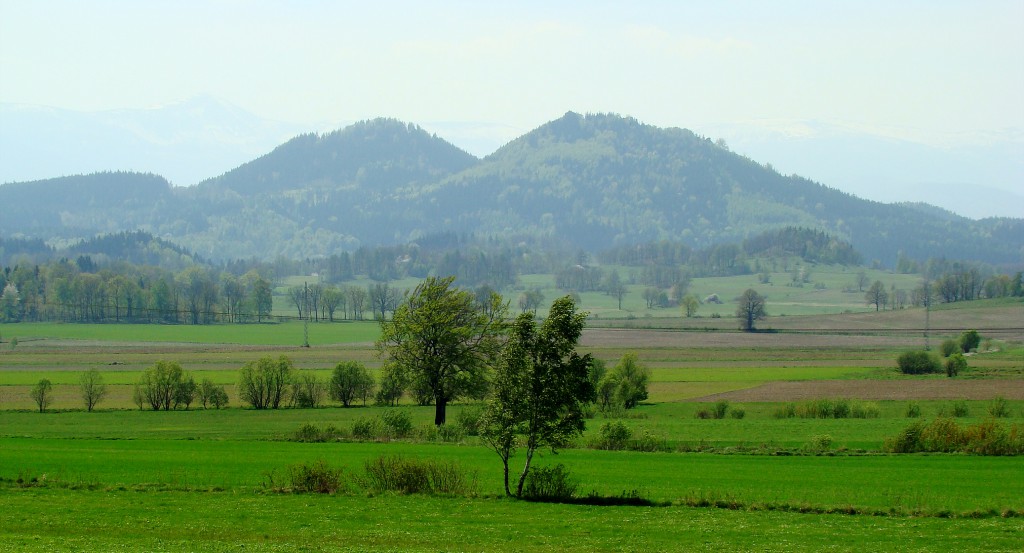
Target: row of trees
62,291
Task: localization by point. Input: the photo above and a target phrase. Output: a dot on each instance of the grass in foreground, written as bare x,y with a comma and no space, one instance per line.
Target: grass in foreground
229,521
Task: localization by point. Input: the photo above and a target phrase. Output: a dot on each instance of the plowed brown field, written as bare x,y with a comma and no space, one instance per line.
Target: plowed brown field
877,390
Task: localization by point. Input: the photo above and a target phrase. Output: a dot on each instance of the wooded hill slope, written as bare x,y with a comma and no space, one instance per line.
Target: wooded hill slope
594,181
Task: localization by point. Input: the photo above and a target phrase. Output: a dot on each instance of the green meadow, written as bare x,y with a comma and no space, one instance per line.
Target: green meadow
208,480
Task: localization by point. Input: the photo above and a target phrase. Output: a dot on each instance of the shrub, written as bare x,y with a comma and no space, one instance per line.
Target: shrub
648,442
721,407
819,444
415,476
956,364
824,409
314,434
949,347
785,411
450,432
917,362
737,413
999,408
960,408
865,410
945,435
365,428
614,435
316,478
549,484
907,441
397,423
942,435
969,340
913,410
468,420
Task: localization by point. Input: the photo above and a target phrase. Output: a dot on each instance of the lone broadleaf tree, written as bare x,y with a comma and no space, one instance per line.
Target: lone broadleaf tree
444,340
93,388
751,309
540,387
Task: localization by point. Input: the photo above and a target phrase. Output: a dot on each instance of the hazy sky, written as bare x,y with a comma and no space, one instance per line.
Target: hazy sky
935,70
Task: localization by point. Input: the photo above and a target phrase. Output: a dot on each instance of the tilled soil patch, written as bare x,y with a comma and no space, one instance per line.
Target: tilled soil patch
651,338
877,390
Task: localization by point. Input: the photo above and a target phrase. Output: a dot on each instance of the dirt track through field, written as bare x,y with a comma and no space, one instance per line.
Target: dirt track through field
877,390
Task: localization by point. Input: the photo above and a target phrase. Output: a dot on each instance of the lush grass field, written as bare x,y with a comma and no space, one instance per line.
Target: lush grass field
233,521
193,480
882,483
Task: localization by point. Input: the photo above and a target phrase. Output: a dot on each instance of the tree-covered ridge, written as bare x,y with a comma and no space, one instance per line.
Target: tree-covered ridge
382,155
83,205
591,181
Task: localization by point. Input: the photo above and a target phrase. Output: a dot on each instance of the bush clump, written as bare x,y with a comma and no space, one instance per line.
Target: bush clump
949,347
944,435
917,362
397,422
311,433
402,475
969,340
452,433
819,444
468,420
718,411
960,409
840,408
549,484
956,364
913,410
999,408
865,410
785,411
366,428
317,477
614,435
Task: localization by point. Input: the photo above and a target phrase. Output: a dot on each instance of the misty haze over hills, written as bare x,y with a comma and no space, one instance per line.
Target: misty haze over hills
193,140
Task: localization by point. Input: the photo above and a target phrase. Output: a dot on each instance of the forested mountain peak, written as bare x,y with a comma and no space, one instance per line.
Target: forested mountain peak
378,153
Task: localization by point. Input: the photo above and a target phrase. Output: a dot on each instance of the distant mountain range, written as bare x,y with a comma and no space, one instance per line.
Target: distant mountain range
190,141
594,181
187,141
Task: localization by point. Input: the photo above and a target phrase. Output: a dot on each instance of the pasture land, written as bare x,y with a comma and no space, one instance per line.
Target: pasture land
119,478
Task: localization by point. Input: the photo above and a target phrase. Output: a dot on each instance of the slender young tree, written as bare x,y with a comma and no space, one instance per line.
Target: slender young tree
93,388
42,394
540,387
